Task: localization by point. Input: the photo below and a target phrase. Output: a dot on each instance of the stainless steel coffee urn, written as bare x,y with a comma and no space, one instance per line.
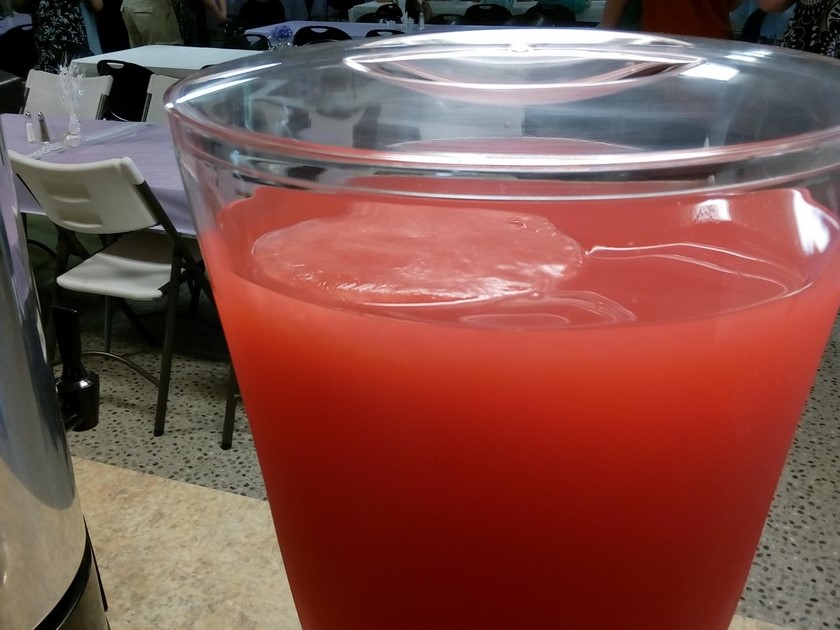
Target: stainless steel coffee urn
48,575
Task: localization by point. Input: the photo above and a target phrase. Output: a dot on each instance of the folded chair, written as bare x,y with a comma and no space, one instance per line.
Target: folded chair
487,14
248,41
144,259
315,34
155,111
127,97
42,94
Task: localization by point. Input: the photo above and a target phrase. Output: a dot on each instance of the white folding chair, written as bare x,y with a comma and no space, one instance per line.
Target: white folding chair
42,94
155,111
111,199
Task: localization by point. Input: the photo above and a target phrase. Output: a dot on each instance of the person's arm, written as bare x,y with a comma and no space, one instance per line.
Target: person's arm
612,13
95,6
775,6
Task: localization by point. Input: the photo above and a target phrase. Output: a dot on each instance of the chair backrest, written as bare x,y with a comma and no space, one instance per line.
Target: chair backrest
487,14
446,18
530,19
313,34
378,32
18,54
254,13
155,111
389,11
248,41
42,95
127,97
557,14
92,198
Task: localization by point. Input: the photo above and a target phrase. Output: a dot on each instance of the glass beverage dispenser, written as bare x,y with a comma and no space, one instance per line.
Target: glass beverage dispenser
524,320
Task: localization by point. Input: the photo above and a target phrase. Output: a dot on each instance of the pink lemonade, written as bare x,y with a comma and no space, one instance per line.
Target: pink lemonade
475,414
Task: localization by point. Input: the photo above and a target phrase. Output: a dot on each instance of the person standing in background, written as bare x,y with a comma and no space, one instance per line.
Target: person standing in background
150,22
89,9
59,31
625,15
699,18
112,31
814,27
192,18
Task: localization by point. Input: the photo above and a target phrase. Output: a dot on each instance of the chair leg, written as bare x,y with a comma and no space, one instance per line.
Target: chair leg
195,294
62,259
108,311
168,345
230,410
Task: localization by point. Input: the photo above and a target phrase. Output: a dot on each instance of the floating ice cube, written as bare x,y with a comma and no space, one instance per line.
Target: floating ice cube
392,254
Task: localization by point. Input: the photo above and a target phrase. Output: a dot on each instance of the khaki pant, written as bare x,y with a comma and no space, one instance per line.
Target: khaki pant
150,22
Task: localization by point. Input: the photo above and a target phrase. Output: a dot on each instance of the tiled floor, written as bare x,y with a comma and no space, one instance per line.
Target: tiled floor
796,572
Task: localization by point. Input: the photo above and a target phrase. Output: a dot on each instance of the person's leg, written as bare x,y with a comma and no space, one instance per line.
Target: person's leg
137,15
164,24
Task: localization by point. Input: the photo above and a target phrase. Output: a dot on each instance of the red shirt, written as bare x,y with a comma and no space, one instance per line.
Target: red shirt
703,18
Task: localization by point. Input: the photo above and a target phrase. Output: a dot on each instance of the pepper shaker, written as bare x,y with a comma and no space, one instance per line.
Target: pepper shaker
42,124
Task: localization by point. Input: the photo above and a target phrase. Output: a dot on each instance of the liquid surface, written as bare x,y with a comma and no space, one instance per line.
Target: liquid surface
501,268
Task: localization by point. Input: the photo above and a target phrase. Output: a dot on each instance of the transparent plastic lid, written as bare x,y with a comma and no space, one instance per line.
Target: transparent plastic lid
582,104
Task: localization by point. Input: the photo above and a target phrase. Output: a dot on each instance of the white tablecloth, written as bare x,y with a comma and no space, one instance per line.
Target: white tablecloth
149,145
170,61
459,7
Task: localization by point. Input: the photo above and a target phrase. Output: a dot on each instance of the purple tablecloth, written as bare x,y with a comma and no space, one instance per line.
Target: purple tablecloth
149,145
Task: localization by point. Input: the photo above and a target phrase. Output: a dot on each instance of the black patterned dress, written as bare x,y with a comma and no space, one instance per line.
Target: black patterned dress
59,32
192,22
815,27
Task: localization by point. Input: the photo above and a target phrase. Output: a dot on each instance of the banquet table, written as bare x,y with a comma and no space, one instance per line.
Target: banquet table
356,30
459,7
148,144
170,61
16,19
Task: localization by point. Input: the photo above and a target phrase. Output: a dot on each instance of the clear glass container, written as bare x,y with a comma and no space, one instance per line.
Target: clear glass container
524,320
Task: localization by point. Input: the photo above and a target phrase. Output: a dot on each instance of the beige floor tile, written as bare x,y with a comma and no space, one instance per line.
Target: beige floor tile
177,556
174,556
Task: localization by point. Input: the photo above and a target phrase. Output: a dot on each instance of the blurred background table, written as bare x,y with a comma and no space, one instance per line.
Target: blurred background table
170,61
356,30
16,19
459,7
148,144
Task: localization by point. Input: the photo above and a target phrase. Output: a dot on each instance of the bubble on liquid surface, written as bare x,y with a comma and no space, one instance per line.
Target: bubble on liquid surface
379,254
